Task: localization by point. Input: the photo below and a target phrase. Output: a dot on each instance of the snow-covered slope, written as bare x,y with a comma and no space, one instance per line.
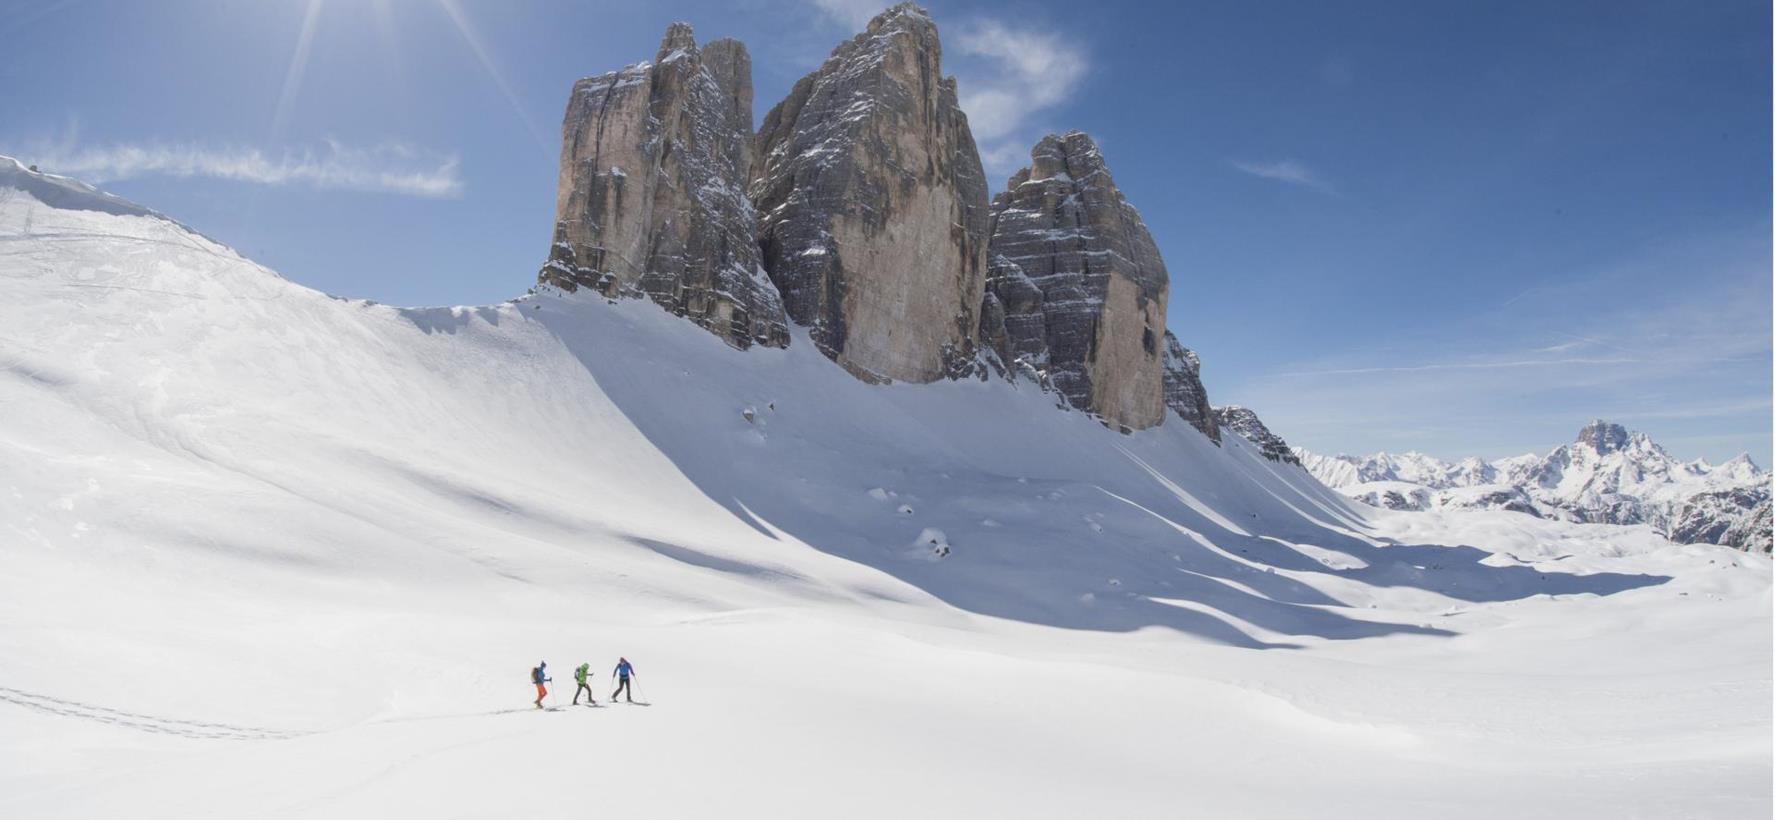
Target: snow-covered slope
274,553
1608,475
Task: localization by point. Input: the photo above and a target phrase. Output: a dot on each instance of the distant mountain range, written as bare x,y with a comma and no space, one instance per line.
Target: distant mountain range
1608,475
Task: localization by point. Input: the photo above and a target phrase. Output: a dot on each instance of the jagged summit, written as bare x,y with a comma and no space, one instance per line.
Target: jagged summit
1604,437
1076,287
655,160
1243,421
872,205
863,202
679,39
1608,474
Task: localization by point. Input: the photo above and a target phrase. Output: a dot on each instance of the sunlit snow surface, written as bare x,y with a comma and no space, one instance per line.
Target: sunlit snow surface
275,554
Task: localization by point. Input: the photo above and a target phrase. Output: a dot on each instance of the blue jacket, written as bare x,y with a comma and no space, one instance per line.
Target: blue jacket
536,674
623,669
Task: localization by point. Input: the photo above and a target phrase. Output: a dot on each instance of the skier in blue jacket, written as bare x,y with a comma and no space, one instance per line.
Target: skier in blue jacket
622,672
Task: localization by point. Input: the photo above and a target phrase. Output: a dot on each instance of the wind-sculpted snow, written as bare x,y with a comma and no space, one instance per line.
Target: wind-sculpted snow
1609,475
62,192
309,547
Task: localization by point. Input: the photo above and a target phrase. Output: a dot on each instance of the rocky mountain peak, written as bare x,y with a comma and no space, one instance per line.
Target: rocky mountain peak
1075,288
1604,437
1246,423
907,14
655,161
679,39
872,203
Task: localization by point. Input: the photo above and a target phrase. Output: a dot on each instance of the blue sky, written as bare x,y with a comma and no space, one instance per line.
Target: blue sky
1464,228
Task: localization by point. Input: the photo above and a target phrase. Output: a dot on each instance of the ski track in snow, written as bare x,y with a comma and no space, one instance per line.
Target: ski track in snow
146,723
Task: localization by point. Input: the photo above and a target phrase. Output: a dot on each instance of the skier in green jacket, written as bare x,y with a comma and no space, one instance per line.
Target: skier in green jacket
580,675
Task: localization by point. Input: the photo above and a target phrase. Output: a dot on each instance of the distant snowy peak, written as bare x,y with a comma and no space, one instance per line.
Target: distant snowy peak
1608,474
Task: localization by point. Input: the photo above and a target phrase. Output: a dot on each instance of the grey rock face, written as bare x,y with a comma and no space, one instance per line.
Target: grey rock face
1081,285
1184,392
872,205
1604,437
1396,499
1754,532
655,160
1489,497
1736,517
1246,423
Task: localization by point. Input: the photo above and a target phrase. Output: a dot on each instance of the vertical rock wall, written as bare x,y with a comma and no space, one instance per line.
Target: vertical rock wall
872,205
1079,284
652,201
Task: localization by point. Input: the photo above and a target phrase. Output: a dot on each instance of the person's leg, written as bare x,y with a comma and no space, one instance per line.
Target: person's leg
540,692
628,692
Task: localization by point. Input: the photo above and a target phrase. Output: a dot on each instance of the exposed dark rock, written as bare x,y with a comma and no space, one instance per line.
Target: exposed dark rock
1184,393
1081,284
1603,437
655,160
872,206
1247,424
1727,517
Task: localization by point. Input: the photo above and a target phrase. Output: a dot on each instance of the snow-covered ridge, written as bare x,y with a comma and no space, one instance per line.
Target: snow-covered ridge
64,192
1607,475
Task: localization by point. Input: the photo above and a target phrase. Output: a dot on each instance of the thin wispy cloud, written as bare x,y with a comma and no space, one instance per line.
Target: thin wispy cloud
1284,170
1491,365
854,14
390,168
1009,74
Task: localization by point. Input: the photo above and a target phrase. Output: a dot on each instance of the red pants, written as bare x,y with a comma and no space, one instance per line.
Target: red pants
541,693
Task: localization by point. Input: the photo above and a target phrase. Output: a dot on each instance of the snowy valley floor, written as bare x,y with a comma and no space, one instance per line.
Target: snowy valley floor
269,553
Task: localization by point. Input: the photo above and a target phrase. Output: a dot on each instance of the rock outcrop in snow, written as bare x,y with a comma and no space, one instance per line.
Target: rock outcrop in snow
655,161
1246,423
1076,289
1184,393
872,205
1608,475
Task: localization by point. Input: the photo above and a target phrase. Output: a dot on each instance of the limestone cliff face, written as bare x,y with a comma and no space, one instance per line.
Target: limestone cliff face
1077,286
652,201
872,205
1184,393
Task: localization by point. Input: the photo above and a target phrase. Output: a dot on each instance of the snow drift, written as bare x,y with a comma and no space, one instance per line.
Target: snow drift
273,551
